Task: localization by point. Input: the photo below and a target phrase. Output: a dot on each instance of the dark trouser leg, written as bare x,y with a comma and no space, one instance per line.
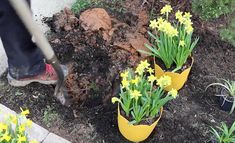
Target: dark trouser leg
24,58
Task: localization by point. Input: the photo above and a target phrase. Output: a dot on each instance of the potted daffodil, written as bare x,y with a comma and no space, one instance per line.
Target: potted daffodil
141,101
171,46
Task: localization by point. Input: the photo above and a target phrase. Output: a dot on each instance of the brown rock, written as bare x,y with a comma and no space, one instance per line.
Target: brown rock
138,42
96,19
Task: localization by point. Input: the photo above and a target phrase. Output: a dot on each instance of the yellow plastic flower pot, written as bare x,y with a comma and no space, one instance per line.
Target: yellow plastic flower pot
135,133
177,79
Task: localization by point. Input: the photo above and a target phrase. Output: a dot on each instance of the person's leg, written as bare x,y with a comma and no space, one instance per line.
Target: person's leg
24,58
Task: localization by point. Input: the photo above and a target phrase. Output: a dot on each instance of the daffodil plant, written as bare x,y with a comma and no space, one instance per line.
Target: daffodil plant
142,94
172,42
13,129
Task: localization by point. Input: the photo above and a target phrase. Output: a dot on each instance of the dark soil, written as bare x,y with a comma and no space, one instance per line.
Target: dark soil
94,67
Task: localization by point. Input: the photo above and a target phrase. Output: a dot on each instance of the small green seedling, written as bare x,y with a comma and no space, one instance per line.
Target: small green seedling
223,134
49,116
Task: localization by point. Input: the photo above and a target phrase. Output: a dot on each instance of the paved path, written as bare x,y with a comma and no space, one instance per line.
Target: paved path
41,8
36,132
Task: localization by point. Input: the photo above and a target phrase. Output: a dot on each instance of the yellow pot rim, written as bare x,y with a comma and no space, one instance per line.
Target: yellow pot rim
154,123
178,79
175,72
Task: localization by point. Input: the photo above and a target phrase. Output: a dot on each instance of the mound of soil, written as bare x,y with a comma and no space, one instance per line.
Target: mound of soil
95,64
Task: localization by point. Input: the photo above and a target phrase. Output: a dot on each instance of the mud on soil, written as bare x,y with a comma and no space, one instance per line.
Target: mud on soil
94,65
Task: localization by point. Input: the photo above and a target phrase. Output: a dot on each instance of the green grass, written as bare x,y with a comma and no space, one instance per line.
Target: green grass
49,116
228,33
80,5
211,9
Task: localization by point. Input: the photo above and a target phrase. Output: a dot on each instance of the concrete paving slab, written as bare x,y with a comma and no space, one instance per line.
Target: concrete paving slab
37,132
53,138
4,111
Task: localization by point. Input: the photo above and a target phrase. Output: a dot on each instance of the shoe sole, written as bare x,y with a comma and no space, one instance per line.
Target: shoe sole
19,83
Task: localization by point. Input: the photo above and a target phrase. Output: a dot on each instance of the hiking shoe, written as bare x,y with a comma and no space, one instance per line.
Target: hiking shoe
49,76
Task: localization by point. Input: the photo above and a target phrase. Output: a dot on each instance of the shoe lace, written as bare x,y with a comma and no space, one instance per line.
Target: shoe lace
49,70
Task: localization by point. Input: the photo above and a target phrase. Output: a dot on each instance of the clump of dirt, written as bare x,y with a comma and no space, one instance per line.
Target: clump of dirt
93,63
65,20
96,19
134,38
95,60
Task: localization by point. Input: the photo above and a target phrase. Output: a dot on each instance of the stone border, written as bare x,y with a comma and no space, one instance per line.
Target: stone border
36,132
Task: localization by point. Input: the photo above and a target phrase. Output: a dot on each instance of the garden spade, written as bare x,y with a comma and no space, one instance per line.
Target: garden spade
23,11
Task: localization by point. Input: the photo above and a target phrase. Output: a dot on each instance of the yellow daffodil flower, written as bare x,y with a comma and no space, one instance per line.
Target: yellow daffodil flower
166,9
153,24
24,112
151,78
33,141
3,127
144,64
5,137
13,119
28,123
161,27
135,94
21,139
187,15
135,81
164,81
188,22
178,14
125,83
150,70
21,129
182,43
141,67
189,29
160,20
139,70
181,20
169,29
166,26
124,75
173,92
173,32
115,99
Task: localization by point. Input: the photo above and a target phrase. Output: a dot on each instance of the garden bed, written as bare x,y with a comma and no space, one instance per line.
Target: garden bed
94,65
